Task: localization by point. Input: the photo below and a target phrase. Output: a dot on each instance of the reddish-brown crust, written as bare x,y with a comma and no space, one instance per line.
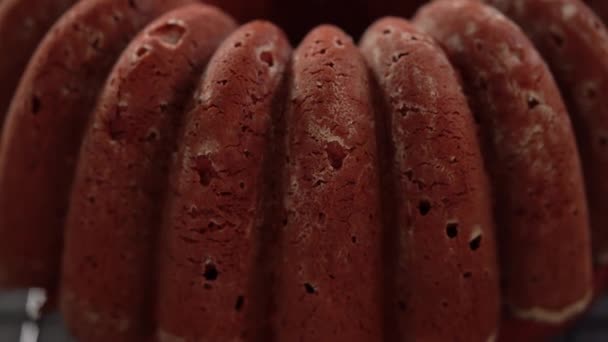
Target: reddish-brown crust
531,154
23,23
43,131
108,270
446,283
574,43
330,270
210,238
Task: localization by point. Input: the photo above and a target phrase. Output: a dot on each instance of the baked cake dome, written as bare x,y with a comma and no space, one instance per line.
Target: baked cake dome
311,174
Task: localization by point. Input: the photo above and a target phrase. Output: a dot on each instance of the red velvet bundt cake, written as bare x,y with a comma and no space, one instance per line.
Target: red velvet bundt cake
528,144
154,76
326,175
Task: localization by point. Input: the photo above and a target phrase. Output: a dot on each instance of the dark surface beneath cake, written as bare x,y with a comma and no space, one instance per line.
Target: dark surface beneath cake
16,325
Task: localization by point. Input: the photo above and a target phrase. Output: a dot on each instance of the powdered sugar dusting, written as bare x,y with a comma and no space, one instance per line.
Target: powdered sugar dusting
568,11
552,316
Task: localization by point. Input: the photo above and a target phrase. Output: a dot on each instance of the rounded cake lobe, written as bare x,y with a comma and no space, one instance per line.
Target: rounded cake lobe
531,154
23,23
108,280
44,127
567,32
218,212
330,271
441,201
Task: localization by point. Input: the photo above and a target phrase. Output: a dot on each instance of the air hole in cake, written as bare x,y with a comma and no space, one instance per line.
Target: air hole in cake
451,229
409,174
170,33
309,288
396,57
483,84
475,243
386,32
96,43
163,107
321,217
557,39
240,301
424,207
141,51
336,154
353,239
242,185
444,304
211,272
152,135
267,58
532,102
402,306
339,42
116,17
205,169
35,104
238,44
116,127
132,4
478,45
590,92
597,25
467,275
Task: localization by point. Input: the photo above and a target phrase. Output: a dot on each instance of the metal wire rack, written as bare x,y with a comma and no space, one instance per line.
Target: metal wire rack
20,321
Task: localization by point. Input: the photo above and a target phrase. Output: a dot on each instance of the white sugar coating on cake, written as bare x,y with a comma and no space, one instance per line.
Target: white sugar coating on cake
170,33
454,42
165,336
569,11
476,232
94,319
553,316
140,53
